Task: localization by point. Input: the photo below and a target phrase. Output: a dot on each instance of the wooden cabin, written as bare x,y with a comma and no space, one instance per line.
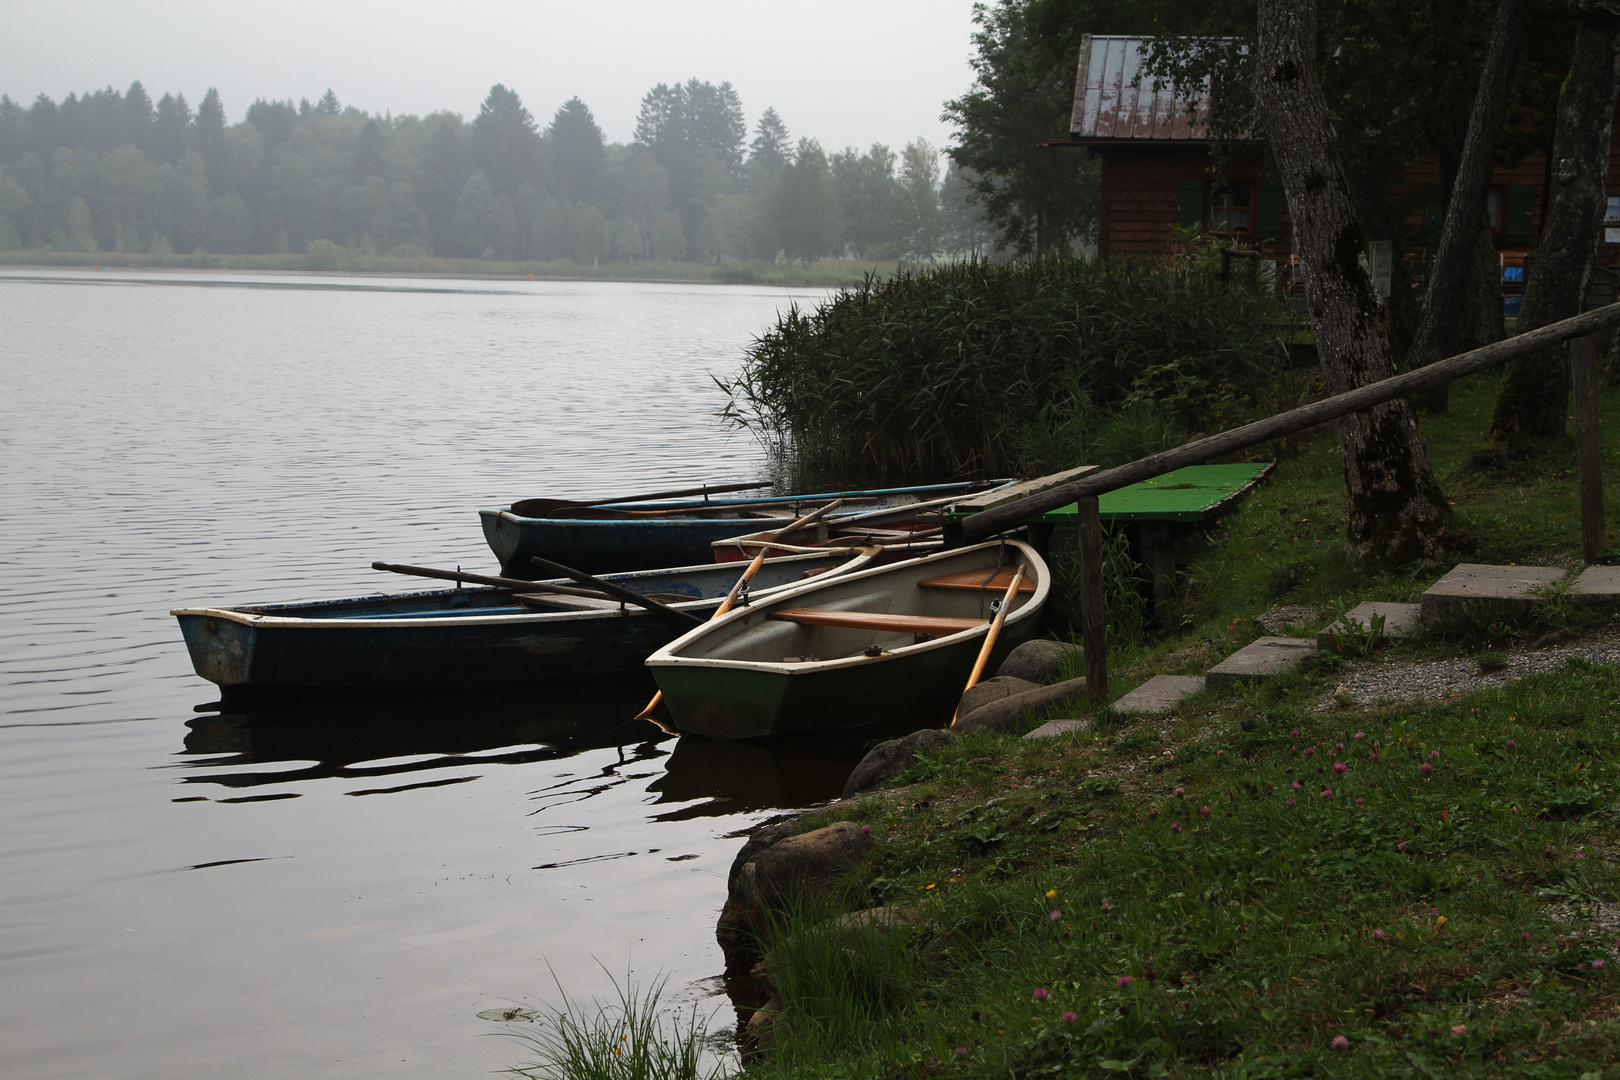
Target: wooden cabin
1156,173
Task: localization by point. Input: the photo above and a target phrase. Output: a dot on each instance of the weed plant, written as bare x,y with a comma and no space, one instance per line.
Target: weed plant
980,368
632,1038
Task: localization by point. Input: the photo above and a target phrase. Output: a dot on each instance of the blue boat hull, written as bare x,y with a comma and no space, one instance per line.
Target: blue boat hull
475,637
606,544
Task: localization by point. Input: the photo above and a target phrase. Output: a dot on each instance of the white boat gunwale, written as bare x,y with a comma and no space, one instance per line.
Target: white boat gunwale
1030,606
246,617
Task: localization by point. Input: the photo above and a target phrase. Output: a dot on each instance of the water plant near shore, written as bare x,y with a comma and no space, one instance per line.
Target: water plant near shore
977,368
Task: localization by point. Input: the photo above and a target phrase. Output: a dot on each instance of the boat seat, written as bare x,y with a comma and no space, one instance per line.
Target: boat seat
975,580
938,625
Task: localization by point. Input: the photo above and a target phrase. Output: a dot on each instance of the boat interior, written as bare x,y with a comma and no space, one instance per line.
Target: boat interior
902,607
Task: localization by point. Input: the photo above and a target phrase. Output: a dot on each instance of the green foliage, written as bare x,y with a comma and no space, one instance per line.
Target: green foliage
977,368
628,1039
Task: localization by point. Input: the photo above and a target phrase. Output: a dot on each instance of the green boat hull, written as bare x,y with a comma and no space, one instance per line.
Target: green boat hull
749,704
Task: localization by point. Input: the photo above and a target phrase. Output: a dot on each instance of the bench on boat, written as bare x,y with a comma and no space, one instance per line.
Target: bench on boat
977,581
938,625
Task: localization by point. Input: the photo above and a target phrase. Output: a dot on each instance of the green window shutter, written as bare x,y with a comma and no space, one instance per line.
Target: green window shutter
1516,218
1189,202
1268,210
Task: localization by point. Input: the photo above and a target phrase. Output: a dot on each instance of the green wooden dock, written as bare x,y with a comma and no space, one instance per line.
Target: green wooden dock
1194,495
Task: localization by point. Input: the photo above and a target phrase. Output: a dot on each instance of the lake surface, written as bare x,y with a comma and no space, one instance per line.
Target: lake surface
336,889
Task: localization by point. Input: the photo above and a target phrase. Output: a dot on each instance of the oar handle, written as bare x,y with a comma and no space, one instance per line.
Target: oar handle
994,631
619,593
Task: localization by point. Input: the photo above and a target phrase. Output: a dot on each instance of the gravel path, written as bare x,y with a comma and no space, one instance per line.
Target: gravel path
1386,678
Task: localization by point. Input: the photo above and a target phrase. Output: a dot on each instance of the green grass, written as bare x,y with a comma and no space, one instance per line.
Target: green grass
1214,919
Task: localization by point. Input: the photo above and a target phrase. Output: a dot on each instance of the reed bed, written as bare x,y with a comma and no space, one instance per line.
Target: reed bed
975,368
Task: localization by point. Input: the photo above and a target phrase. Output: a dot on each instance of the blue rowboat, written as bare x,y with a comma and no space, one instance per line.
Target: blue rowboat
466,637
878,644
622,536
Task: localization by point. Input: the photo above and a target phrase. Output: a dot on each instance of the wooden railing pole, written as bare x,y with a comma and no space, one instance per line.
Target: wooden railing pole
1091,601
1589,450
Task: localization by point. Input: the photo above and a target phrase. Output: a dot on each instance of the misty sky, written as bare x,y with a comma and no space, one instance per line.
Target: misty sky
849,72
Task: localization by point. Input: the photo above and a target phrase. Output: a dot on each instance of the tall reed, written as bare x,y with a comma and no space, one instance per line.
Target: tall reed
979,368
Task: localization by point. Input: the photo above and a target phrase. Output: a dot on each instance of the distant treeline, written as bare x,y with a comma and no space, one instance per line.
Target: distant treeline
110,171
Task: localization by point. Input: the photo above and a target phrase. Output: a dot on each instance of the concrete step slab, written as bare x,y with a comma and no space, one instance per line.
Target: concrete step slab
1400,620
1476,595
1598,586
1053,728
1260,659
1159,694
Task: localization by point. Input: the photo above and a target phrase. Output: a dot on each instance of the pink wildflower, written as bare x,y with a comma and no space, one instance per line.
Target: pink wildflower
1360,801
1296,785
1106,906
1179,792
1310,751
1339,1041
1070,1017
1512,744
1524,935
1378,935
1175,826
1459,1029
1220,753
1433,754
1204,811
1289,802
1055,916
1327,793
865,829
1361,734
1124,980
1402,845
1427,770
1340,746
1340,767
961,1051
1294,733
1041,993
1599,963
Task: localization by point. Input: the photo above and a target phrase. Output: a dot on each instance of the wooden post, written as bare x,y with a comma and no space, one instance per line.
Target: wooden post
1091,601
1159,539
1588,446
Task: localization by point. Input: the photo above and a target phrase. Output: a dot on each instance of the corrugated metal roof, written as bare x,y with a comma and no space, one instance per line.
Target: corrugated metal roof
1114,98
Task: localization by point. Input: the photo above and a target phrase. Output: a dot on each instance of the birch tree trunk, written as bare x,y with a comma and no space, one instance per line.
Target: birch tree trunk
1534,396
1444,302
1397,510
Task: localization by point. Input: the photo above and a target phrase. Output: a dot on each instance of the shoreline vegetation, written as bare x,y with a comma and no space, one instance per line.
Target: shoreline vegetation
820,273
1332,873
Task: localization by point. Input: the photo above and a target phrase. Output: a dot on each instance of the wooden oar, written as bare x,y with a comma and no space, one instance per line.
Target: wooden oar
706,490
992,633
619,593
514,584
747,576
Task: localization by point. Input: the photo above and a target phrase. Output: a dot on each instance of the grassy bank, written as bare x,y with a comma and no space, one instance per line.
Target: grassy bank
1276,881
331,259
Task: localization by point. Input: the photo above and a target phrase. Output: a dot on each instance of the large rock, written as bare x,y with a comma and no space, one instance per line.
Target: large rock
891,758
802,868
992,690
760,839
1038,661
1007,713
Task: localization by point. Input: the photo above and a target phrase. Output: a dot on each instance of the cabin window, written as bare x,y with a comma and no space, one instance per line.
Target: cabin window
1231,208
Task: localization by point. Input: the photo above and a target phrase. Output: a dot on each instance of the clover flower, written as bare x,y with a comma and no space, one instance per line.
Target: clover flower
1041,993
1124,980
1070,1017
1340,1043
1340,767
1427,770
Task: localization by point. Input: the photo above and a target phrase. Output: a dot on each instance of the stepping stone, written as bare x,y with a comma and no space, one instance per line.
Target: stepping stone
1598,586
1400,620
1053,728
1260,659
1474,595
1159,694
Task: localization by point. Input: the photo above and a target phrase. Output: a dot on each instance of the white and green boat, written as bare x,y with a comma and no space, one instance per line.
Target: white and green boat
881,644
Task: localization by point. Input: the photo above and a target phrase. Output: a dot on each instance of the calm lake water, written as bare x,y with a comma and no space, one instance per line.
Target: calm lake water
337,889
